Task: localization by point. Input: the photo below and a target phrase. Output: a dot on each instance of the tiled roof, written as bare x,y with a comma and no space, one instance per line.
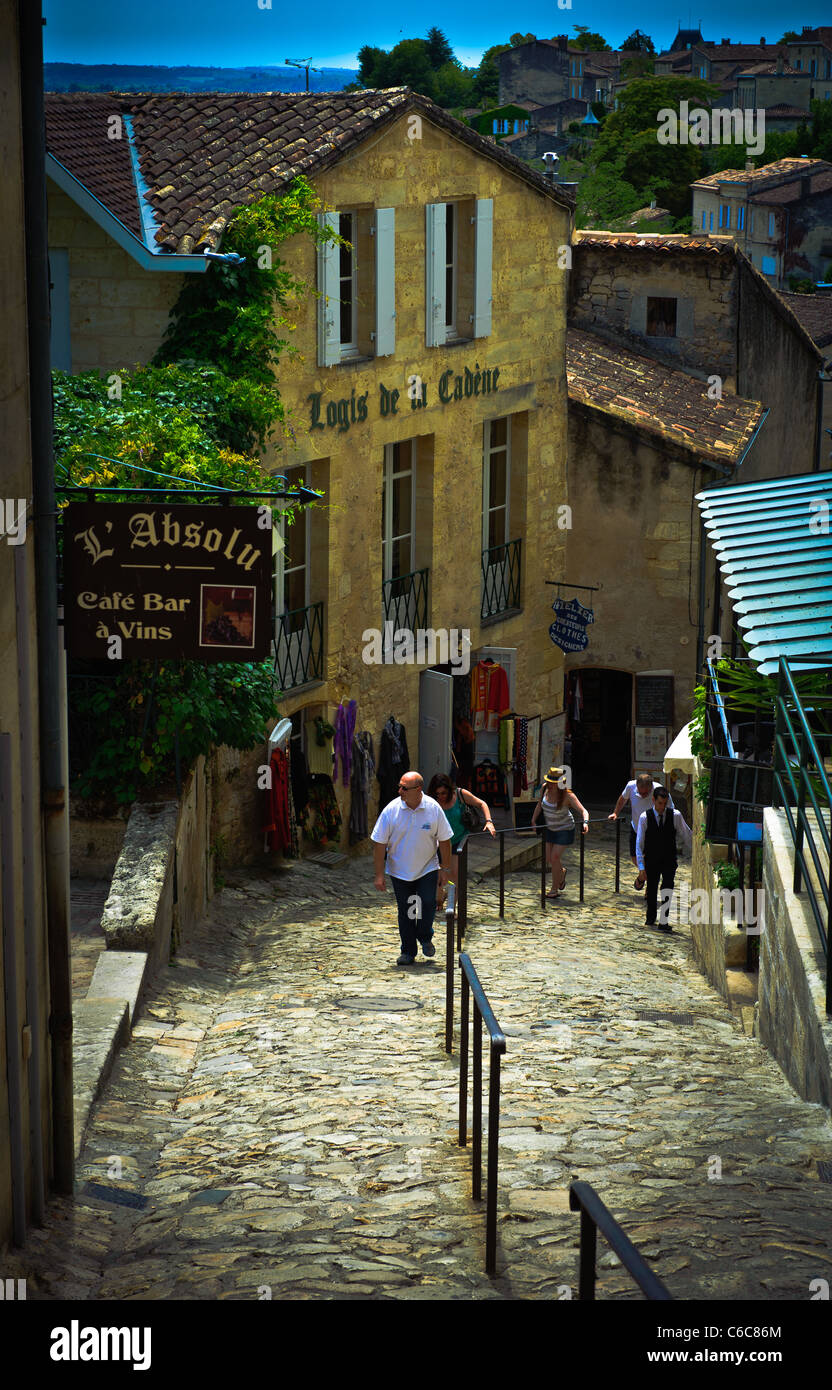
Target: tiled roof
79,140
793,192
783,110
822,34
814,312
769,175
656,241
660,400
203,154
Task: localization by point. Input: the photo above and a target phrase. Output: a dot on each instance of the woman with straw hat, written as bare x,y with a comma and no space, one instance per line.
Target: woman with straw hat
557,801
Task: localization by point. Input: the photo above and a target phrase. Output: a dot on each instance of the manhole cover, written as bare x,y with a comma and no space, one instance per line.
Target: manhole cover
120,1195
656,1016
377,1003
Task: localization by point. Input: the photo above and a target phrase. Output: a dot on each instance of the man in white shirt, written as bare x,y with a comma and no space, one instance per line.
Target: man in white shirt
656,854
639,794
411,830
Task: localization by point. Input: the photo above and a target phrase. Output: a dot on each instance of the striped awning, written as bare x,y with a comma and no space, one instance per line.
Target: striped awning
773,545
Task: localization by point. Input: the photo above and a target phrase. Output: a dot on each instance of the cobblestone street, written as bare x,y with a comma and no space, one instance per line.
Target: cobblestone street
287,1114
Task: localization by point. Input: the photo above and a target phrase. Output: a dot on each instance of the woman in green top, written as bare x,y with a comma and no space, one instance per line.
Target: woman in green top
442,789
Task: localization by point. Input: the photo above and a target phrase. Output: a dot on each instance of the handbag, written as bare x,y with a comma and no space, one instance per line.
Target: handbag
468,815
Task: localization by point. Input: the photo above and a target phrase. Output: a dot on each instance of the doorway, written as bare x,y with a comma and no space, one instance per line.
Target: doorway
599,704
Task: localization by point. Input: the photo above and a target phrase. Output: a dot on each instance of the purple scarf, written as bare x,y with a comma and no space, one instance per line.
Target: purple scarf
344,730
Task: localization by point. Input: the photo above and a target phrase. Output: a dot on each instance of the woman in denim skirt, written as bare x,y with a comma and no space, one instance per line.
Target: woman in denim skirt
557,803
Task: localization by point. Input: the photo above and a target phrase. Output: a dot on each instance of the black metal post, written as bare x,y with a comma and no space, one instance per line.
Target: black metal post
493,1144
586,1271
581,837
476,1108
463,1060
618,854
502,874
462,904
542,871
449,971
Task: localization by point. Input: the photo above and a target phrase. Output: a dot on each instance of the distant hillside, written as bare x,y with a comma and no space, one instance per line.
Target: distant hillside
127,77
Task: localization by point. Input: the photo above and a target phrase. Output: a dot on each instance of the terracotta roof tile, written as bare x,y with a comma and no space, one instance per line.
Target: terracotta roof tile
199,153
768,176
663,401
814,312
656,241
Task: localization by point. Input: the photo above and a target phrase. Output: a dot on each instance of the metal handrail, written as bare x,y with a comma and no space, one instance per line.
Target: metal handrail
804,745
719,704
596,1216
483,1013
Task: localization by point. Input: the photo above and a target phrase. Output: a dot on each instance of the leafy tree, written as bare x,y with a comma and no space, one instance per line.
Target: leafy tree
486,83
604,196
638,43
439,50
636,65
454,85
790,36
370,62
587,39
517,39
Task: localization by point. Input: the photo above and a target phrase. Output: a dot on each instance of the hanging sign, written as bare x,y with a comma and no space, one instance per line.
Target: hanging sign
568,631
167,581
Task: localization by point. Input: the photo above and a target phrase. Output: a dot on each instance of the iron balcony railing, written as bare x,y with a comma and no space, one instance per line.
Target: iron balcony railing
405,602
500,579
299,646
799,776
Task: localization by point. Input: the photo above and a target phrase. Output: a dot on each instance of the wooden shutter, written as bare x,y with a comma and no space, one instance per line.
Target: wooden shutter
483,240
329,327
385,236
435,274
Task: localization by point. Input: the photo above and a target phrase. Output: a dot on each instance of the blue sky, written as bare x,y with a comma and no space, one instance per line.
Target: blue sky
232,33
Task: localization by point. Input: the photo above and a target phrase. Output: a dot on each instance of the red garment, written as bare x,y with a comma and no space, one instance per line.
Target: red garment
276,807
489,696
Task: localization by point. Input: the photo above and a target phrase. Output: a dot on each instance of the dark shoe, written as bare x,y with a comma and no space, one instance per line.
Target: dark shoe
667,928
648,923
405,960
428,948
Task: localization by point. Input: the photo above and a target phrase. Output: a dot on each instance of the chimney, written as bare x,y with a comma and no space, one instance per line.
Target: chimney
763,41
749,166
724,41
805,185
780,64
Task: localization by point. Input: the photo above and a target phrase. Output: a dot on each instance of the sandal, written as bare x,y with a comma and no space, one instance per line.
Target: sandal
555,894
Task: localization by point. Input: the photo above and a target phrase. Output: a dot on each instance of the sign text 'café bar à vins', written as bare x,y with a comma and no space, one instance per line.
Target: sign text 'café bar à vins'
167,581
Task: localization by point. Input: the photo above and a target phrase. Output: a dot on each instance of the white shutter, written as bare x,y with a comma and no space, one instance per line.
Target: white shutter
329,328
483,238
435,274
385,236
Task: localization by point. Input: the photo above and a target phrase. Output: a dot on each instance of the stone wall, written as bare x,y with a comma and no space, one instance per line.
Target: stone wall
163,878
533,72
610,287
118,311
777,364
707,938
95,843
629,499
792,1003
237,805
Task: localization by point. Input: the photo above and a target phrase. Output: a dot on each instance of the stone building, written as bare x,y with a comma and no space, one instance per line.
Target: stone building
683,368
428,399
780,214
812,53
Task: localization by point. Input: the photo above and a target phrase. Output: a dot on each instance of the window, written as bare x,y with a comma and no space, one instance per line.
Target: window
397,540
771,224
661,317
458,270
725,215
496,482
740,219
751,222
297,642
769,265
703,220
711,225
347,286
451,220
356,307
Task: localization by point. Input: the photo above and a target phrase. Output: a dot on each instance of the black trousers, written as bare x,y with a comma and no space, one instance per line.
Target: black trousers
667,873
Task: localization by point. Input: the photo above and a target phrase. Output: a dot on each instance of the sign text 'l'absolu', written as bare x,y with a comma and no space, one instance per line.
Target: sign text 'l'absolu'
174,581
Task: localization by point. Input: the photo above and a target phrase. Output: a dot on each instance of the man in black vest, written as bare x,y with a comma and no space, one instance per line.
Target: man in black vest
656,854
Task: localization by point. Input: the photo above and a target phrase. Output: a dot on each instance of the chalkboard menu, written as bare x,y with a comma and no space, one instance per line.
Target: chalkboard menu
654,700
738,793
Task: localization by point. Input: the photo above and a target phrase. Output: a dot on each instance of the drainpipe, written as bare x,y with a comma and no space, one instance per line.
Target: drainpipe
52,785
824,377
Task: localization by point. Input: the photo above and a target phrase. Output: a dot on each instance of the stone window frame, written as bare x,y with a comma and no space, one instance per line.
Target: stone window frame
659,290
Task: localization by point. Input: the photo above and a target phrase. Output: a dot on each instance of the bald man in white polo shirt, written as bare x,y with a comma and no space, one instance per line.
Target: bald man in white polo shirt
414,832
